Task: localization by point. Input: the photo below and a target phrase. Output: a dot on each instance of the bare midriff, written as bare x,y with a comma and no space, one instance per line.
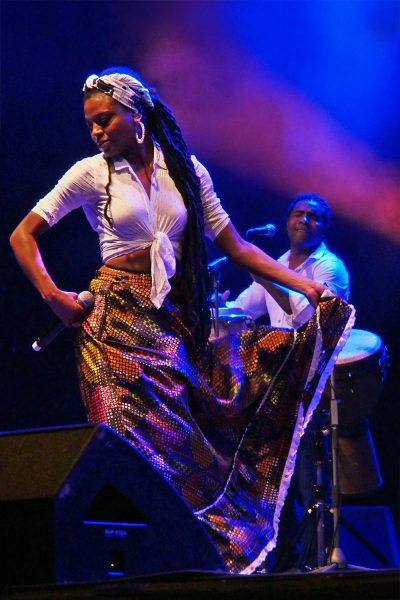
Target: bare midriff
135,262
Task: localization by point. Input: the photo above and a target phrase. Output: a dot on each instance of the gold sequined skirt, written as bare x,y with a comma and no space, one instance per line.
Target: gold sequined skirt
222,430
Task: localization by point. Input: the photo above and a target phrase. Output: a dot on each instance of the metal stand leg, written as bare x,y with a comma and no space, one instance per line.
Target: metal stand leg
215,309
322,494
337,558
318,514
214,269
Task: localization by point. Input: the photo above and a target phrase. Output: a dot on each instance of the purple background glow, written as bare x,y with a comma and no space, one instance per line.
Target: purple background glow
276,98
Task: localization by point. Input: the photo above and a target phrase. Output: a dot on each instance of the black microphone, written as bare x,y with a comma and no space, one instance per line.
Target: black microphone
85,299
268,230
217,263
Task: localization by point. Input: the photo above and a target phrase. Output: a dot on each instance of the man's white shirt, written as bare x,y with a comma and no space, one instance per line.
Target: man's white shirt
321,266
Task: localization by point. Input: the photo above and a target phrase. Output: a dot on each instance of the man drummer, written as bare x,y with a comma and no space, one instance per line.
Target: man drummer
308,218
307,221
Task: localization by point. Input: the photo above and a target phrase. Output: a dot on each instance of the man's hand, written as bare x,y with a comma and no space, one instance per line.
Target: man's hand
222,298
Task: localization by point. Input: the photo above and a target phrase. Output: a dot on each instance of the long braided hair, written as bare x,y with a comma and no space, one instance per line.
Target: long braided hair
194,282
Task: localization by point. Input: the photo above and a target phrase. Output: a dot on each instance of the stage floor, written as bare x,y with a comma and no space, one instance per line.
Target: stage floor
346,584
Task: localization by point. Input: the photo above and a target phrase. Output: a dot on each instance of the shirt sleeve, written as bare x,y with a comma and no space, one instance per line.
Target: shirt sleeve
75,188
215,217
252,301
331,272
302,310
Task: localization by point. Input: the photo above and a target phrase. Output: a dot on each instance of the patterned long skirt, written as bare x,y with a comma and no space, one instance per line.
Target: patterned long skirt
224,430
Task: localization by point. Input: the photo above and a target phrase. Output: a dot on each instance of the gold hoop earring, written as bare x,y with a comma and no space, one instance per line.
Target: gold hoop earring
140,138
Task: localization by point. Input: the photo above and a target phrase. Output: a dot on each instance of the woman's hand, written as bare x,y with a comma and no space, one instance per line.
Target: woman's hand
67,308
313,291
24,243
260,265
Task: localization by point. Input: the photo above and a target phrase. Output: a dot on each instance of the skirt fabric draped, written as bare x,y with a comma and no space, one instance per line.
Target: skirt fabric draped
222,430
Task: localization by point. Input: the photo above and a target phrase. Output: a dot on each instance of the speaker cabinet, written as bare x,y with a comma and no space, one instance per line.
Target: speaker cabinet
80,503
368,537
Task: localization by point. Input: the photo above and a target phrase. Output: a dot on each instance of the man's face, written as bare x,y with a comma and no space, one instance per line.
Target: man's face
305,225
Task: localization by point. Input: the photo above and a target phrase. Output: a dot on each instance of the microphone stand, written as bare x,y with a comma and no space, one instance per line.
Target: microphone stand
215,276
215,273
251,236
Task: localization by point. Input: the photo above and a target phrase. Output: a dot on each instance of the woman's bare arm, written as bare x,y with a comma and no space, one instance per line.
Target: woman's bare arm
23,241
253,259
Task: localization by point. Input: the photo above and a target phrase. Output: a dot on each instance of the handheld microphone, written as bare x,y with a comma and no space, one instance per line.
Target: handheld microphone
215,264
85,299
268,230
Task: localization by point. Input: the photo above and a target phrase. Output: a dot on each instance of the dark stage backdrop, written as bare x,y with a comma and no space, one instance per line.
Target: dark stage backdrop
276,98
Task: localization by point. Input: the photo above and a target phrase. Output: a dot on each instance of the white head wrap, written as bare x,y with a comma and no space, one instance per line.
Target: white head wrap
124,88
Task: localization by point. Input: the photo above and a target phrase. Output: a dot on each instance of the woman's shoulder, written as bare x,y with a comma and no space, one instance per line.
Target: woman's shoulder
90,168
90,162
201,170
196,162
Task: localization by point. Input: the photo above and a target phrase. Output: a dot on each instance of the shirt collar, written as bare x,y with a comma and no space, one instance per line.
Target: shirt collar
159,159
121,163
316,255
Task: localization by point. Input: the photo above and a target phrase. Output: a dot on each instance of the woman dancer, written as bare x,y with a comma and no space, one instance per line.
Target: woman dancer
220,421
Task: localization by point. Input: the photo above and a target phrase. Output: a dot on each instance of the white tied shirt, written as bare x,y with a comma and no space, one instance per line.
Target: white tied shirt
138,221
321,266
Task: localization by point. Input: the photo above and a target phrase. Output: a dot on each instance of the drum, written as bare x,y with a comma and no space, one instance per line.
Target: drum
230,320
359,374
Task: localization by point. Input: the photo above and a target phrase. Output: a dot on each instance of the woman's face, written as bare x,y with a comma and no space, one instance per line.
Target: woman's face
111,126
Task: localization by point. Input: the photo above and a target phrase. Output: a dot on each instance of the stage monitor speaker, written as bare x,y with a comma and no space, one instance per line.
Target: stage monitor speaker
368,537
80,503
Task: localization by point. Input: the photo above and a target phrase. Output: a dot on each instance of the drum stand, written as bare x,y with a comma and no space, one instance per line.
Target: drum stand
336,558
318,513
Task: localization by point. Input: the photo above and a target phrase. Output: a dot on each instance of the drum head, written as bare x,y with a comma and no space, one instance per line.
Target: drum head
230,321
224,312
361,344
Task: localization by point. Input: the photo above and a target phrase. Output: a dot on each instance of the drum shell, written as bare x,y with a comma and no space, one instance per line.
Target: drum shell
359,471
358,386
358,379
358,383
